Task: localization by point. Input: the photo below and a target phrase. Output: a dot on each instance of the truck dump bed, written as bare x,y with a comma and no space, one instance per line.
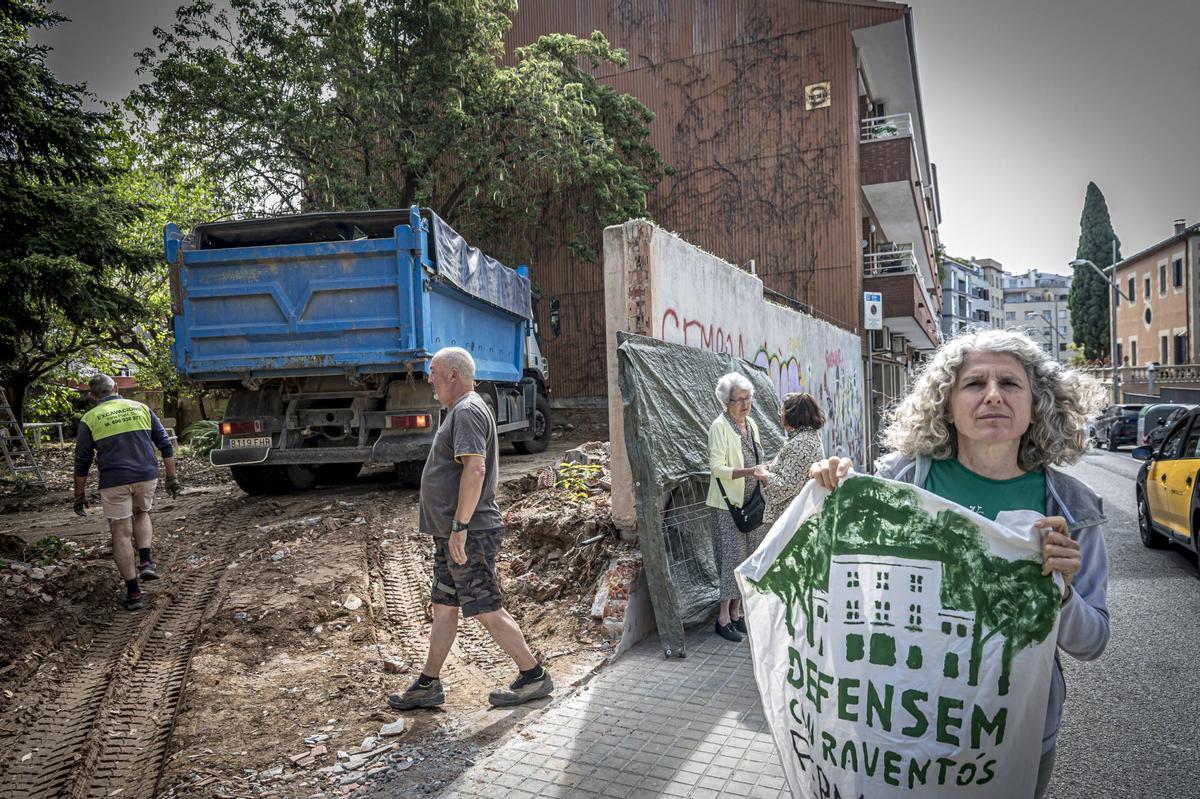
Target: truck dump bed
339,294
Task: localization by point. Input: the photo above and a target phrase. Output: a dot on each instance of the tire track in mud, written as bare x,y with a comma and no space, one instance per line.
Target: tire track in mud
474,656
39,762
405,594
106,731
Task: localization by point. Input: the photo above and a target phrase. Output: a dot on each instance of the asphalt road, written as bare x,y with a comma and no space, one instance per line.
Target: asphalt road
1132,720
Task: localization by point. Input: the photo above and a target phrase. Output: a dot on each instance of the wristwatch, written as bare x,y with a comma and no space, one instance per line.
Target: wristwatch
457,526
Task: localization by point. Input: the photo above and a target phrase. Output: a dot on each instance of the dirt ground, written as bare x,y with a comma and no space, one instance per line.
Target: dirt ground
262,661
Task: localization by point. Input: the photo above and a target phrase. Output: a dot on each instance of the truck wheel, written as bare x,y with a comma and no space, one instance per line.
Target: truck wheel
301,478
338,473
261,480
408,473
542,427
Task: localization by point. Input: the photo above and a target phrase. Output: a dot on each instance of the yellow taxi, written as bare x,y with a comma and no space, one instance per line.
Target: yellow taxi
1167,500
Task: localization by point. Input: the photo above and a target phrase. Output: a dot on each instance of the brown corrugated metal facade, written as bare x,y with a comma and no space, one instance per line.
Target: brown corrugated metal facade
757,176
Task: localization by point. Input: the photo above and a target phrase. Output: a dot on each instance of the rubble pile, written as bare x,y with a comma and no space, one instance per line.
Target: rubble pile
58,470
564,543
322,764
612,594
561,528
195,470
42,569
45,587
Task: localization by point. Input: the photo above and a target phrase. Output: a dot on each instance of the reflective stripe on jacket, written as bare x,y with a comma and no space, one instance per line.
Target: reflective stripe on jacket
122,435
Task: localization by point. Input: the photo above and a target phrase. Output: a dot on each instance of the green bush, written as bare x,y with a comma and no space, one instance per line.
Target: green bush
202,437
49,402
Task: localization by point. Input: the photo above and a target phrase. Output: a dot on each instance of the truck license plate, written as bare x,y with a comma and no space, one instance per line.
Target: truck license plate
257,441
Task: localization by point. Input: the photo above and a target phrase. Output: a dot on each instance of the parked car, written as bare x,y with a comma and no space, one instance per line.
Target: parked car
1151,416
1155,436
1167,498
1117,426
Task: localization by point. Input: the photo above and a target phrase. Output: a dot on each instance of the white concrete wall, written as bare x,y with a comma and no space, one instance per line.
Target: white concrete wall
658,285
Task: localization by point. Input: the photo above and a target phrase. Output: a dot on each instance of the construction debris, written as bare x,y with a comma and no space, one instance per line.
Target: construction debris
321,612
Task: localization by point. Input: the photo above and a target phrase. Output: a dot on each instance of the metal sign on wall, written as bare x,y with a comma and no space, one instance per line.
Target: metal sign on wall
872,310
817,95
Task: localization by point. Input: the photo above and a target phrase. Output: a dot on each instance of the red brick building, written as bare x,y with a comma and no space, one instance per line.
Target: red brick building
797,137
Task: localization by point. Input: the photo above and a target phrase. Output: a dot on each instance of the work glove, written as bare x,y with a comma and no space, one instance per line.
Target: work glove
81,506
174,487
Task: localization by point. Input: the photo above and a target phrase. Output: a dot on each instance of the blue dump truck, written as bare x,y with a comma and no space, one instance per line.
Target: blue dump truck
323,326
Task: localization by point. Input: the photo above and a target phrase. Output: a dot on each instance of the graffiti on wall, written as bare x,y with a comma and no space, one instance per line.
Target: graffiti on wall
702,335
836,387
830,373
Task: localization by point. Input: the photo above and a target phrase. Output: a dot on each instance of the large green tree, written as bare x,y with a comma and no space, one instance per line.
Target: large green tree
299,105
169,190
67,279
1091,294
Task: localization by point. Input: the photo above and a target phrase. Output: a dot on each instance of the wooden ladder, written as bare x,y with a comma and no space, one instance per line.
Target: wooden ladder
15,446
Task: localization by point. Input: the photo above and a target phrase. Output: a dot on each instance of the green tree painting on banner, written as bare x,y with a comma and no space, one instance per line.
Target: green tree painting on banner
868,516
1090,293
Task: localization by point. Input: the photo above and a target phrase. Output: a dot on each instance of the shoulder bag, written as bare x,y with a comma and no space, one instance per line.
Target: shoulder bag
749,517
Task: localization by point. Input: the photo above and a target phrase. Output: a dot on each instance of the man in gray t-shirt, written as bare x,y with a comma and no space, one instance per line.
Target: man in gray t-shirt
458,508
467,432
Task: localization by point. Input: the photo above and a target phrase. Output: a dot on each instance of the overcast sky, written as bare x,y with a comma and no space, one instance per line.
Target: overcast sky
1028,100
1025,102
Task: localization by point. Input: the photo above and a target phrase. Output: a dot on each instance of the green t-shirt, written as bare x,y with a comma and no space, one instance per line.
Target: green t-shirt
953,481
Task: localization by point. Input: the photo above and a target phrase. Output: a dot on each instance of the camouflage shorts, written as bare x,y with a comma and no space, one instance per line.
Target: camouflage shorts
473,587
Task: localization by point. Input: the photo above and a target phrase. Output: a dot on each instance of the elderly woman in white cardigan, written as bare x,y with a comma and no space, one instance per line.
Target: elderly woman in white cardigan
735,459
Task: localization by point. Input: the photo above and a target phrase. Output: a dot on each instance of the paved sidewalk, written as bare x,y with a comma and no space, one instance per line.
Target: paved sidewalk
644,727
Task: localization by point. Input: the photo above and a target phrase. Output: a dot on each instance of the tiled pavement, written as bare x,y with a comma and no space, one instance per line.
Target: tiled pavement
645,726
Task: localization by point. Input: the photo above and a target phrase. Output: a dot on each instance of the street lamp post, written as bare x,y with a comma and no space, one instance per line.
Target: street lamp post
1054,335
1112,325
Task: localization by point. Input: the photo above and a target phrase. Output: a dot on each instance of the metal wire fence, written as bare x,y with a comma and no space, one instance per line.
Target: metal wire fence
687,531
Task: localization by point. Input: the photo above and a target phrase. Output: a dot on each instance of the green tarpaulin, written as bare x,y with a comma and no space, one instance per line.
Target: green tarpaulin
667,391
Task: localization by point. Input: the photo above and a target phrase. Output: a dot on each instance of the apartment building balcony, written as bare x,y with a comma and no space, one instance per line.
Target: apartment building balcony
908,309
890,176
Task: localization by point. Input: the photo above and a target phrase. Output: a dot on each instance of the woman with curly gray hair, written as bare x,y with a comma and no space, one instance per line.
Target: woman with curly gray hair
986,420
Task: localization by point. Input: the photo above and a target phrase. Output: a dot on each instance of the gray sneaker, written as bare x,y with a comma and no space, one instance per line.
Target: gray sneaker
418,696
519,692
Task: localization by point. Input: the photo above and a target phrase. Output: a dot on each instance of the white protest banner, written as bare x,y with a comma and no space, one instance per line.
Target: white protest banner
902,644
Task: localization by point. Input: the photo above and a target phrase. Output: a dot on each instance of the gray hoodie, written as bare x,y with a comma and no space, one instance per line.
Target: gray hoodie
1083,622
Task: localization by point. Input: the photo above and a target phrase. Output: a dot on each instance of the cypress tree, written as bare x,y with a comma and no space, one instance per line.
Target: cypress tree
1090,294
